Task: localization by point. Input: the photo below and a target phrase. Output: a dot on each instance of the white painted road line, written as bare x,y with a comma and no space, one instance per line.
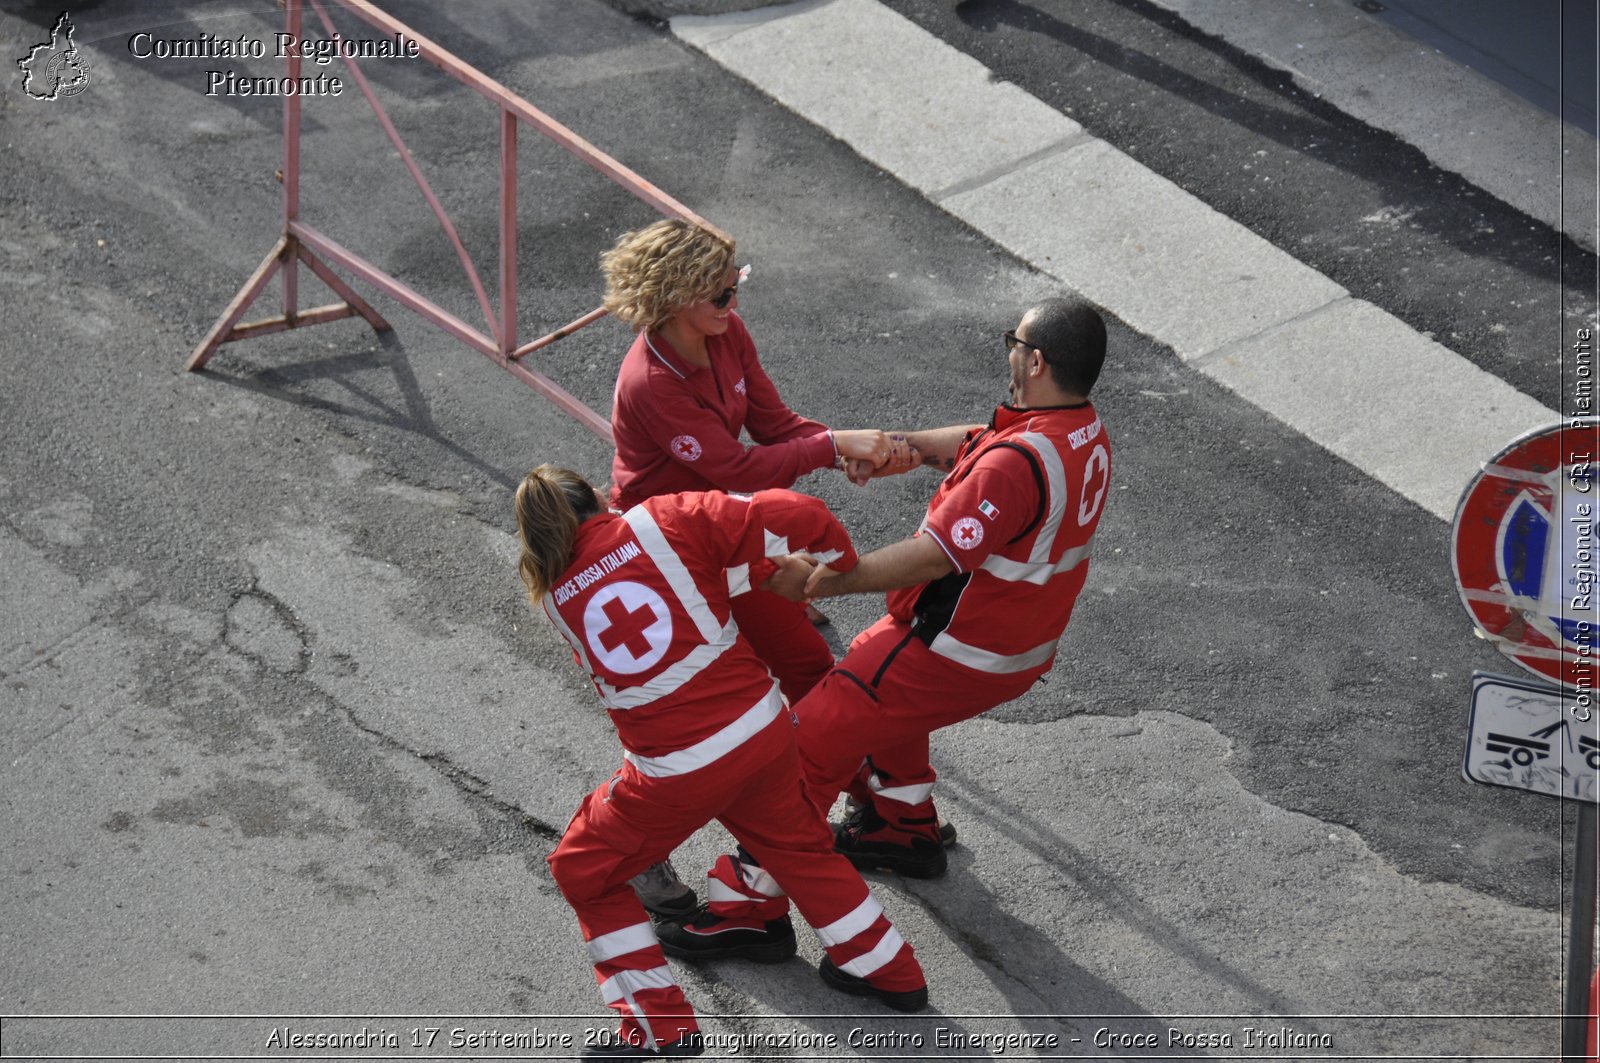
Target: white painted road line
1350,377
1140,246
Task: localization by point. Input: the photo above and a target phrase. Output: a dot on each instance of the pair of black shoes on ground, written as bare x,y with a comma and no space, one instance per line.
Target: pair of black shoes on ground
614,1047
710,937
862,839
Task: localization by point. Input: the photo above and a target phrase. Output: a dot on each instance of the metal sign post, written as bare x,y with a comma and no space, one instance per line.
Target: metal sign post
1524,552
1522,735
1577,1033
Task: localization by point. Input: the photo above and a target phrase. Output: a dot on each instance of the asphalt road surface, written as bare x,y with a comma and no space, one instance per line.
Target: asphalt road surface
285,748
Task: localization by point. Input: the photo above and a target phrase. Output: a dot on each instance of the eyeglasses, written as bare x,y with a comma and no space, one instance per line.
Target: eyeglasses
721,300
1012,341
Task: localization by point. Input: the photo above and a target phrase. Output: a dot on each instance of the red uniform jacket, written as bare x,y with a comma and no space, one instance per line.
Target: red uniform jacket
645,605
1016,516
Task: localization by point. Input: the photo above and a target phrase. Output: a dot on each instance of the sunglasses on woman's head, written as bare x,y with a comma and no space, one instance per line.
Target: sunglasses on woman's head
722,300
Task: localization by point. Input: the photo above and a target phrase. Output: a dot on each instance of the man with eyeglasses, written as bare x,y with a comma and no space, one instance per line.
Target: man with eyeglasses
977,600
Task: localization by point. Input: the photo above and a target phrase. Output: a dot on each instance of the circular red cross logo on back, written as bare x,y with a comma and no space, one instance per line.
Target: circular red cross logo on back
628,627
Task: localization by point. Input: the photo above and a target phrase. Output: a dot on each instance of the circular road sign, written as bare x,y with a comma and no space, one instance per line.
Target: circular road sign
1523,548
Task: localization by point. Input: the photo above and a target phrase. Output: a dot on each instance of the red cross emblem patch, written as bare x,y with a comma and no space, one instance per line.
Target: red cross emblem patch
628,627
686,448
967,533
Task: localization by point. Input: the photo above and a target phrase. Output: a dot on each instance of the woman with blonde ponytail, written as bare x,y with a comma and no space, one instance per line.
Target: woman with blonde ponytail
645,598
551,504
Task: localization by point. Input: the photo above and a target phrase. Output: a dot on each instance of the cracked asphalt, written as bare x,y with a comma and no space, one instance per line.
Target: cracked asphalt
285,747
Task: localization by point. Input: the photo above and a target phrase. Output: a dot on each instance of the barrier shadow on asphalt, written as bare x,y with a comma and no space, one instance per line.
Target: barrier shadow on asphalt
292,384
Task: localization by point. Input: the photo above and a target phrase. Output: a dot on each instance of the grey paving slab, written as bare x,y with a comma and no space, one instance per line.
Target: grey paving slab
1250,935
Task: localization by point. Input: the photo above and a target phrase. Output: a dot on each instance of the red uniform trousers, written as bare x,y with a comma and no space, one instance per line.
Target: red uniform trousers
786,641
865,728
633,821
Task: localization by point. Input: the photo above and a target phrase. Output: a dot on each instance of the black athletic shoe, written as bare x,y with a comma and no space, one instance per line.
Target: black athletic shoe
614,1047
947,830
869,843
711,937
909,1000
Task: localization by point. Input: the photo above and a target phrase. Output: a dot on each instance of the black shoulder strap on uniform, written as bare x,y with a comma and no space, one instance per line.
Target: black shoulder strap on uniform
1038,479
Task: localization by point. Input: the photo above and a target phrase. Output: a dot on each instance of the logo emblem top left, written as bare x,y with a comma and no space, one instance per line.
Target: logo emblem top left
55,69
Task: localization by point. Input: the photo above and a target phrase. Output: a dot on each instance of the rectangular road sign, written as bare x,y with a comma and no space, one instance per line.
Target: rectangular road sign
1528,736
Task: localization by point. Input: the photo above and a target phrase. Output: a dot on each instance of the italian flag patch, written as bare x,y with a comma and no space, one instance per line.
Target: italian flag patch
988,509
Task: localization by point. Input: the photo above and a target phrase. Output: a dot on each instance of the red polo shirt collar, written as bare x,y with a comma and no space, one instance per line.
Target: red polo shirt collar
662,351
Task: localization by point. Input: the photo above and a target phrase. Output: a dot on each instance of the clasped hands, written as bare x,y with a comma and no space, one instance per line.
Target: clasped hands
869,452
800,578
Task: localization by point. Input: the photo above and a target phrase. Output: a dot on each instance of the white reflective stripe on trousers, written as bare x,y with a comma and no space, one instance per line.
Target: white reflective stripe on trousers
884,951
621,942
914,794
627,983
848,926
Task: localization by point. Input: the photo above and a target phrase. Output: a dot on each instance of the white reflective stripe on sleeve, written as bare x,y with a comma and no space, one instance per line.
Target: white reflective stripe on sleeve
758,880
828,557
885,950
906,795
708,750
621,942
987,661
670,680
1037,573
738,580
672,567
848,926
627,983
1056,484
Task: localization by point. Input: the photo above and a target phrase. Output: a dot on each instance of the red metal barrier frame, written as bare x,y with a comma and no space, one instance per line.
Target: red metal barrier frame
301,243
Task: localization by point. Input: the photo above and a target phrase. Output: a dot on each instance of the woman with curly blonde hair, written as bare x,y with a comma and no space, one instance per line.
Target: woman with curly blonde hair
689,384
